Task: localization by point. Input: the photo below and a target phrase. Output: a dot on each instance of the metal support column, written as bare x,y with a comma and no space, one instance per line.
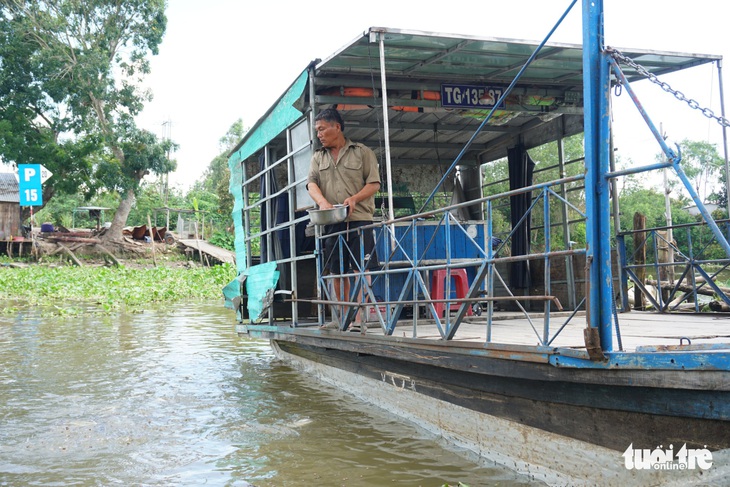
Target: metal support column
596,122
724,135
386,127
246,215
321,294
291,194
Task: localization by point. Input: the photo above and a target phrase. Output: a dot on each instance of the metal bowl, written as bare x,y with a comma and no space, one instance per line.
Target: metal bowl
330,216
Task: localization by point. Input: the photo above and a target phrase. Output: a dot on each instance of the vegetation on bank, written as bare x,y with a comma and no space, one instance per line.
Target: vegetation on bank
73,290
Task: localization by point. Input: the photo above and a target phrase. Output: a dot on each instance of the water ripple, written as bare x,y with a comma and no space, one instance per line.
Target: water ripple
173,397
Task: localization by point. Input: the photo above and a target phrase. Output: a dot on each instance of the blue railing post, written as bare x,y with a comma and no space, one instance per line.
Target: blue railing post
546,265
596,90
490,271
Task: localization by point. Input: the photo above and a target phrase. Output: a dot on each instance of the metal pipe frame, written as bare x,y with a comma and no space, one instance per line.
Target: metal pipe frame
499,103
724,133
674,160
596,85
412,263
691,261
565,224
291,152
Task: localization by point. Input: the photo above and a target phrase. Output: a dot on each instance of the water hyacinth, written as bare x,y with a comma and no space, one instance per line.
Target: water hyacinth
71,290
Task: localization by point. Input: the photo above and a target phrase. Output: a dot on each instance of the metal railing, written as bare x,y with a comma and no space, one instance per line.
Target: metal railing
410,255
679,272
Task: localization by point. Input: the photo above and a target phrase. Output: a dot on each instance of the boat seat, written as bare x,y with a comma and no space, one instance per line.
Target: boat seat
438,287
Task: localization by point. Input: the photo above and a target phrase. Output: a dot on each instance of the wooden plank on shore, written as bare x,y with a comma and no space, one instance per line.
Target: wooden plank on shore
64,238
218,253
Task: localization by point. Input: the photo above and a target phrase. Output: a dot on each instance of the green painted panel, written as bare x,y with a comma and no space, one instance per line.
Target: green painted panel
274,122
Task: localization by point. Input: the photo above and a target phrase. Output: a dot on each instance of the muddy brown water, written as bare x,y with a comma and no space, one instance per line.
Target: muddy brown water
173,397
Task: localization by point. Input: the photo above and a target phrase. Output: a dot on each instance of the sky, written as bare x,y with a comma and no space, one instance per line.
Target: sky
222,60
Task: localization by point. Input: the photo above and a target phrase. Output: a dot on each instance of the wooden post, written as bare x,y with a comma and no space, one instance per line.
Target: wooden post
152,240
666,256
197,244
639,257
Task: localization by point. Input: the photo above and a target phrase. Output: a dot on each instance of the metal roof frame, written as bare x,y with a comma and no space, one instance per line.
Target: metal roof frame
430,55
545,105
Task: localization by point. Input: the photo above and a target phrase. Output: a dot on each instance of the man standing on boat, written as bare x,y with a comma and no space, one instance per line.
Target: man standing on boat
344,172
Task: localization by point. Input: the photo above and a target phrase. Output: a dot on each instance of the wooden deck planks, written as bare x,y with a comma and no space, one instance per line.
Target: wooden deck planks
637,329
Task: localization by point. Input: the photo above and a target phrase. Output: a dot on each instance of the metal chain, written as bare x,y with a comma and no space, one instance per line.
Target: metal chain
619,56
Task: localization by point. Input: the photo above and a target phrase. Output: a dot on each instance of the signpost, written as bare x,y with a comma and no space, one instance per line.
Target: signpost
30,183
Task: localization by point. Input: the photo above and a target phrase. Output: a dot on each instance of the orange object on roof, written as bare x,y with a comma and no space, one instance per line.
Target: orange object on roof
351,92
431,95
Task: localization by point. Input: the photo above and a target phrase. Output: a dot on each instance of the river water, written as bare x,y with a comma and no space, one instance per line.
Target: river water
173,397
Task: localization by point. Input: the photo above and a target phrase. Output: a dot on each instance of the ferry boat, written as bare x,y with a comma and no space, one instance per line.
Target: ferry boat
491,321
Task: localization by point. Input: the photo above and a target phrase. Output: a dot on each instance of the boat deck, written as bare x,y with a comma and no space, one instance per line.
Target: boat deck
637,329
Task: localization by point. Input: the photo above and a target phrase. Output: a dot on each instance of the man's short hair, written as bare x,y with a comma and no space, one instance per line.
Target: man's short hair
330,115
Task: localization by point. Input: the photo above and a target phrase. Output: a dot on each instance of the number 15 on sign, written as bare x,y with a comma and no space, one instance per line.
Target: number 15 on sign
31,197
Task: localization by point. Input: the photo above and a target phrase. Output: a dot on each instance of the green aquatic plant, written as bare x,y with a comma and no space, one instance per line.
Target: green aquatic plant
68,290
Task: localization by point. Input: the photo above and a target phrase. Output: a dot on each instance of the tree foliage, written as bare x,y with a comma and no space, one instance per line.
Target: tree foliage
547,168
143,154
703,166
32,122
650,203
217,177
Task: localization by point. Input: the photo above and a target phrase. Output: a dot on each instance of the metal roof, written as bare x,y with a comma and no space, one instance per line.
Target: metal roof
545,104
432,56
9,191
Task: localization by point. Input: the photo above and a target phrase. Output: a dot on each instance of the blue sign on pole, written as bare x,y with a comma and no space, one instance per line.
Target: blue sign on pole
30,184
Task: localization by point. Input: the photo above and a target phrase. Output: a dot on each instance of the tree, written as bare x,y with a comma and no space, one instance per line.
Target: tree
702,164
80,64
32,124
217,177
142,154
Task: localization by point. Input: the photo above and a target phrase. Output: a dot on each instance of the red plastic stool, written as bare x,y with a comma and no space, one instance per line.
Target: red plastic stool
438,286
